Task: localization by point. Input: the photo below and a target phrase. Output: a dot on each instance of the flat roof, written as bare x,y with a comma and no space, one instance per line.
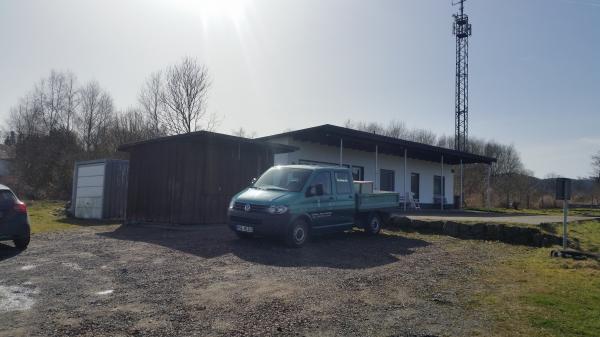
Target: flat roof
314,167
328,134
277,148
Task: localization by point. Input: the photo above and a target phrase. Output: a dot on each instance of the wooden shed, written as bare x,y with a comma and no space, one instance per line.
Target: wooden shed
190,178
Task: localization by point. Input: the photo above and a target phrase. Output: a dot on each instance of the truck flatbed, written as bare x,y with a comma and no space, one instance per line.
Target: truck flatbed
376,201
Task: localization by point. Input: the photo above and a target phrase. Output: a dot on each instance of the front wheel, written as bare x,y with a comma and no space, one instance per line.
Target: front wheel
297,234
21,243
373,225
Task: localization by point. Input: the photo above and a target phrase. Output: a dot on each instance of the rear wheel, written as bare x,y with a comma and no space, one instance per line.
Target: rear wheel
373,225
21,243
297,234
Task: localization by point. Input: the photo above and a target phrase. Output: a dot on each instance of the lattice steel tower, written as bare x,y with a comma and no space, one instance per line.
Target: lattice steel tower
462,31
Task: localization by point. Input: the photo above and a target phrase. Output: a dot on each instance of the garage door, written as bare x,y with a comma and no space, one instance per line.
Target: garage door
90,182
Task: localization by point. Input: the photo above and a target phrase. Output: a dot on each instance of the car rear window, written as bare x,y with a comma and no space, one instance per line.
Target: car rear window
6,196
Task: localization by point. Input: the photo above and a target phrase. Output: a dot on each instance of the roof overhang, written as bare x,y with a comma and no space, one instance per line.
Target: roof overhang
364,141
275,147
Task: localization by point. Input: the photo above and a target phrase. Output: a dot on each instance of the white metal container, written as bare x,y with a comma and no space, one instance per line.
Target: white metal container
99,189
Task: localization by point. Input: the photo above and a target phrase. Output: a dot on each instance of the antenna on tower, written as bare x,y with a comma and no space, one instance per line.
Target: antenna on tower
462,31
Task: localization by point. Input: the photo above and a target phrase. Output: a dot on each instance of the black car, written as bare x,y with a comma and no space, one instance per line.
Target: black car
14,222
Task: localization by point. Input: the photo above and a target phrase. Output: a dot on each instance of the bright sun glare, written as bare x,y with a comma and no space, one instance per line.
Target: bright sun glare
233,10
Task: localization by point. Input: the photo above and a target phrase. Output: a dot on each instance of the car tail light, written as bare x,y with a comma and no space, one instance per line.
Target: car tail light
20,207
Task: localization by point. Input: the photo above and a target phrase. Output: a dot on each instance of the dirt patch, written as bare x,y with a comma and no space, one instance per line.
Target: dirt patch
113,281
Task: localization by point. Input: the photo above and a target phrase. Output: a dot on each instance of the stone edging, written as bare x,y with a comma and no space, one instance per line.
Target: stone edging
479,231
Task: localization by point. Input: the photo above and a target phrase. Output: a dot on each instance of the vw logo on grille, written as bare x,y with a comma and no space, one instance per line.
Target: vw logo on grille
247,207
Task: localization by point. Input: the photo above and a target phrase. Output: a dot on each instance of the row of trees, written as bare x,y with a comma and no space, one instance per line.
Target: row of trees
60,120
511,183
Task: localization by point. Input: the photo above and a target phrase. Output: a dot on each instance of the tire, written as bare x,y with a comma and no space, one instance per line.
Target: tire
373,225
244,236
297,234
22,243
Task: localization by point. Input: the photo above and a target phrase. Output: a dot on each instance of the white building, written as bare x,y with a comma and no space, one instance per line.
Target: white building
423,173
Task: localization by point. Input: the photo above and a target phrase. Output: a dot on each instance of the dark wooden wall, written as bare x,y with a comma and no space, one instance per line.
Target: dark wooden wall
115,189
190,180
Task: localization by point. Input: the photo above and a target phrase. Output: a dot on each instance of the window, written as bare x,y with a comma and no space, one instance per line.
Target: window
342,183
386,181
437,185
6,196
283,179
323,178
358,172
414,185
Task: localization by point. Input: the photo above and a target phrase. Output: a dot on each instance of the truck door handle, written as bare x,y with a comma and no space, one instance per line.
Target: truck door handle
331,198
350,197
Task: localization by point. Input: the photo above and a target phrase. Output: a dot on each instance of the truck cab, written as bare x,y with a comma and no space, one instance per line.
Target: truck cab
295,201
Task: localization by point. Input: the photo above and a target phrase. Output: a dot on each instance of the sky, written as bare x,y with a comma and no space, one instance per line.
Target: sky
288,64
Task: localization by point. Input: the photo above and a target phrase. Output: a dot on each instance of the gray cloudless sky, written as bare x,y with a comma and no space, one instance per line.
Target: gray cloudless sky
289,64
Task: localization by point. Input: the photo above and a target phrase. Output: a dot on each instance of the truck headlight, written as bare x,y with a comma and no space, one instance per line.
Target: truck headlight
277,209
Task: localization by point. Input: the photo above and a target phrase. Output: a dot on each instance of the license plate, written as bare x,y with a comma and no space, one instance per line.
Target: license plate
246,229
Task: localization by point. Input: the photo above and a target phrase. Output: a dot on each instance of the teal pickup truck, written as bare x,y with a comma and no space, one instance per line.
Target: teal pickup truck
295,201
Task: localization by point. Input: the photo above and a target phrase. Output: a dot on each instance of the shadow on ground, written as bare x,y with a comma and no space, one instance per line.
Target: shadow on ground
6,251
352,250
87,223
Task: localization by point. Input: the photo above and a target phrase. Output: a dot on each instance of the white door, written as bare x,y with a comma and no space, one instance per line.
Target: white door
89,193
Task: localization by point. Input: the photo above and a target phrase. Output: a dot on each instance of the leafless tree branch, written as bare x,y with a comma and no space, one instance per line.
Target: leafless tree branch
184,97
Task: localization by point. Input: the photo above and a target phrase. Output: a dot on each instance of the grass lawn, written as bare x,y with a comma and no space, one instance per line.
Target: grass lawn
531,294
46,216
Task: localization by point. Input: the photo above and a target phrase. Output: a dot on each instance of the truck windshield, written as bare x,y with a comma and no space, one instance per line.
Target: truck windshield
283,179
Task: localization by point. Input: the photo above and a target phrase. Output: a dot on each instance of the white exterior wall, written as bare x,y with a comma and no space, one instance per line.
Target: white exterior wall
323,153
89,191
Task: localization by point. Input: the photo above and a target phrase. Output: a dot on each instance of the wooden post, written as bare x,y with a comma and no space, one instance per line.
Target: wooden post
488,203
442,186
376,168
341,151
405,169
461,185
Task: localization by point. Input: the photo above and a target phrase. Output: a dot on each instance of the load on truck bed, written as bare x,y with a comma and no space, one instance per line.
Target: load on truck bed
296,201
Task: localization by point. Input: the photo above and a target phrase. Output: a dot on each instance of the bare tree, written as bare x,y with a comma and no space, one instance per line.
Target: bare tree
70,101
241,132
423,136
184,96
50,105
24,119
397,129
394,129
96,109
150,100
132,125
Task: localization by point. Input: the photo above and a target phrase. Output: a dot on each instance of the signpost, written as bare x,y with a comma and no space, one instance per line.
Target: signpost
563,192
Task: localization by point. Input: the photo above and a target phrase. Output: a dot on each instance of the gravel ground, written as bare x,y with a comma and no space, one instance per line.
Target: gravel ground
148,281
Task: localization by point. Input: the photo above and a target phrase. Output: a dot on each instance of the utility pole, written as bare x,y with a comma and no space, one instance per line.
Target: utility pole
462,31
